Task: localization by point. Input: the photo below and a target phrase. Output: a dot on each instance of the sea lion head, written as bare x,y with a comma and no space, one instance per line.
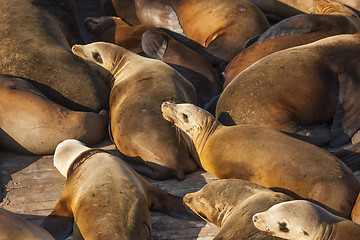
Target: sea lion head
298,219
104,58
98,25
66,152
189,118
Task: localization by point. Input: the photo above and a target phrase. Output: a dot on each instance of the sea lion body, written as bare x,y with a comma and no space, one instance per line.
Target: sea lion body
301,219
103,198
222,27
233,202
284,164
309,96
31,123
139,87
332,18
16,228
35,46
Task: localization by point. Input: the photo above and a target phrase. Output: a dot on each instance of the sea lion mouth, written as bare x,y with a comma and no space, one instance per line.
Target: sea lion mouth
197,214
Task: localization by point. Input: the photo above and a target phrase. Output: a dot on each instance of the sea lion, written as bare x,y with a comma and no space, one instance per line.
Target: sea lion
355,214
281,7
104,198
35,45
125,9
243,151
230,205
15,227
138,87
222,27
115,30
332,18
158,44
300,219
188,63
310,96
31,123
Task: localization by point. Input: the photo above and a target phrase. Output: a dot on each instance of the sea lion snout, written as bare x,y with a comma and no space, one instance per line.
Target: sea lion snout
255,218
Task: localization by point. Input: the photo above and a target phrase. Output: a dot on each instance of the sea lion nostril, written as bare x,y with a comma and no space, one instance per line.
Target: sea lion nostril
255,218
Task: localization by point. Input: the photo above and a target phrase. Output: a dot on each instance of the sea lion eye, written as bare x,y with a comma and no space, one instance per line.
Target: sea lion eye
97,57
185,117
282,227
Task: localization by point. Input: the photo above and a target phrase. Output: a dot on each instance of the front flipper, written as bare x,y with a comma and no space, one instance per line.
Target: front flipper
300,24
154,43
159,15
350,155
59,223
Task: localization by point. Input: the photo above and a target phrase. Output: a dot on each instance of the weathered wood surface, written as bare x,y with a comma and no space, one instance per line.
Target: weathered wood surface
31,186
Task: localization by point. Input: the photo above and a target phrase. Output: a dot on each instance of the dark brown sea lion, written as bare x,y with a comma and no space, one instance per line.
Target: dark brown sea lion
138,87
35,45
31,123
230,204
192,66
310,96
332,18
15,227
284,164
303,220
125,9
115,30
104,198
222,27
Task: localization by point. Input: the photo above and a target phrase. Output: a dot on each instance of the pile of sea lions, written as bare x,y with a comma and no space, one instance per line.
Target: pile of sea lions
260,93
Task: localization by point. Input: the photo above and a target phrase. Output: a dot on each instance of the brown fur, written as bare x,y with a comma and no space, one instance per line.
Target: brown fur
310,96
35,44
31,123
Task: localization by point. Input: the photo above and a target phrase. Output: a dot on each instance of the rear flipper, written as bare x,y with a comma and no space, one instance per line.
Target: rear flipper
346,120
59,223
154,43
350,155
317,134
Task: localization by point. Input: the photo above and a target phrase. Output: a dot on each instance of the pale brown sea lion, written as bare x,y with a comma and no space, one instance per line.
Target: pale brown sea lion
15,227
303,220
230,205
281,7
310,96
104,198
36,35
284,164
221,26
157,44
332,18
138,87
31,123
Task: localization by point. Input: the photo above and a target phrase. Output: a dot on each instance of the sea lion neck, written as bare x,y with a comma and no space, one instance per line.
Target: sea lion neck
326,232
208,127
122,62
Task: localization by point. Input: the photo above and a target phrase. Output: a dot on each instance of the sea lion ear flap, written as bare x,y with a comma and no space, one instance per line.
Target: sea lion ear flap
154,43
59,223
